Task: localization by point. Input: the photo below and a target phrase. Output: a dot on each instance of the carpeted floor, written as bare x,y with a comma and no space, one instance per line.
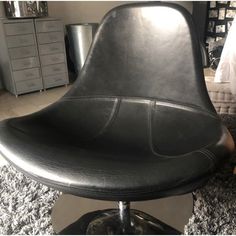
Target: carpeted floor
25,205
215,206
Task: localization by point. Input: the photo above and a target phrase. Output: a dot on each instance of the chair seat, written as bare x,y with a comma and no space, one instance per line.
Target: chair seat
52,156
137,124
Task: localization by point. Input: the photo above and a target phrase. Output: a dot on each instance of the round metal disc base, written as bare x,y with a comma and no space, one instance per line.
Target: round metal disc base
108,222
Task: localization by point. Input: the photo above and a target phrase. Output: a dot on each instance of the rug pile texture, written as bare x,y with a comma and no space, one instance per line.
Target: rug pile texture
25,205
215,206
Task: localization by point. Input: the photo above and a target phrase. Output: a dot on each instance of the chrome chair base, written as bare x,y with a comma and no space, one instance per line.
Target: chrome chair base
108,222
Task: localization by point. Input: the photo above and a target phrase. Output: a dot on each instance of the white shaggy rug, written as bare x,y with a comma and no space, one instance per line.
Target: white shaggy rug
25,205
214,209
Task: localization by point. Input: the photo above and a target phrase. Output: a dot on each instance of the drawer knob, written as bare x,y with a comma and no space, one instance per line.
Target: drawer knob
31,84
54,48
53,37
23,40
29,74
22,28
50,26
56,69
55,58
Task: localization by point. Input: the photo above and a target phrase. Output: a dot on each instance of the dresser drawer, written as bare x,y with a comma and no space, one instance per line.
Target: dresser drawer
52,59
20,40
25,63
19,28
29,85
54,69
51,48
55,80
28,74
50,37
22,52
47,26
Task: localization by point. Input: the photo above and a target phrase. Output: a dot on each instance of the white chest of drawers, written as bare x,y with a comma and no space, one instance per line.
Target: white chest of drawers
32,54
51,46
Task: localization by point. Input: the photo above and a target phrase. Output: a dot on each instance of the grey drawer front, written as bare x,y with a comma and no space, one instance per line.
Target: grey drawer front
51,48
52,59
22,52
19,28
47,26
25,63
20,40
50,37
28,85
54,69
28,74
55,80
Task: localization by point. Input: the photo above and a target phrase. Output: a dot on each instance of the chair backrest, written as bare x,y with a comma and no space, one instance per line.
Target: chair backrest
147,50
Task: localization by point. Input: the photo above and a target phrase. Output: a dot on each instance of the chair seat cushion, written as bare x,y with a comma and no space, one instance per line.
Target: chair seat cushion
54,158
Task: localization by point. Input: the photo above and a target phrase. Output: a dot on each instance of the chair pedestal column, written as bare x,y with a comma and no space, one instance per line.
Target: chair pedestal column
124,212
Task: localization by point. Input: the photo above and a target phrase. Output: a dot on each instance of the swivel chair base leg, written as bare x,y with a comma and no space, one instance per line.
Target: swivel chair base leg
122,221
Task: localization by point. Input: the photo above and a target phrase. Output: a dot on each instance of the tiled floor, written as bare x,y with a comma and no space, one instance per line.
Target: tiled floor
174,211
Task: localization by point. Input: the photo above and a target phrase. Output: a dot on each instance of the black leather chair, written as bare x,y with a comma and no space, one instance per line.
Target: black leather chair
136,125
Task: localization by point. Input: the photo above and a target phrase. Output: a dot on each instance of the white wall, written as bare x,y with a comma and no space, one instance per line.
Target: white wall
81,12
90,11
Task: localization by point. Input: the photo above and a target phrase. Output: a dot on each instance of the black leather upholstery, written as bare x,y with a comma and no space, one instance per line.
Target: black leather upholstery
137,124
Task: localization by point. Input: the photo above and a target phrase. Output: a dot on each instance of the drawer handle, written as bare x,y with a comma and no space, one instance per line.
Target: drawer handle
26,52
22,28
26,63
54,48
56,69
50,26
29,74
24,40
53,37
58,79
55,58
31,84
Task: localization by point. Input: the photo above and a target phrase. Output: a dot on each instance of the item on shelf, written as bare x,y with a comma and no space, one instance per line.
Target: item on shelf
213,14
215,49
25,9
220,28
220,16
230,13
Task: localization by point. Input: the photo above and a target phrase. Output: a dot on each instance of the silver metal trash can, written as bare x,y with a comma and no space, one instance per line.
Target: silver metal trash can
80,37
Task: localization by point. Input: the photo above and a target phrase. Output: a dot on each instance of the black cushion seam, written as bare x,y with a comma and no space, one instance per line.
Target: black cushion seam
111,119
194,107
210,157
150,139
